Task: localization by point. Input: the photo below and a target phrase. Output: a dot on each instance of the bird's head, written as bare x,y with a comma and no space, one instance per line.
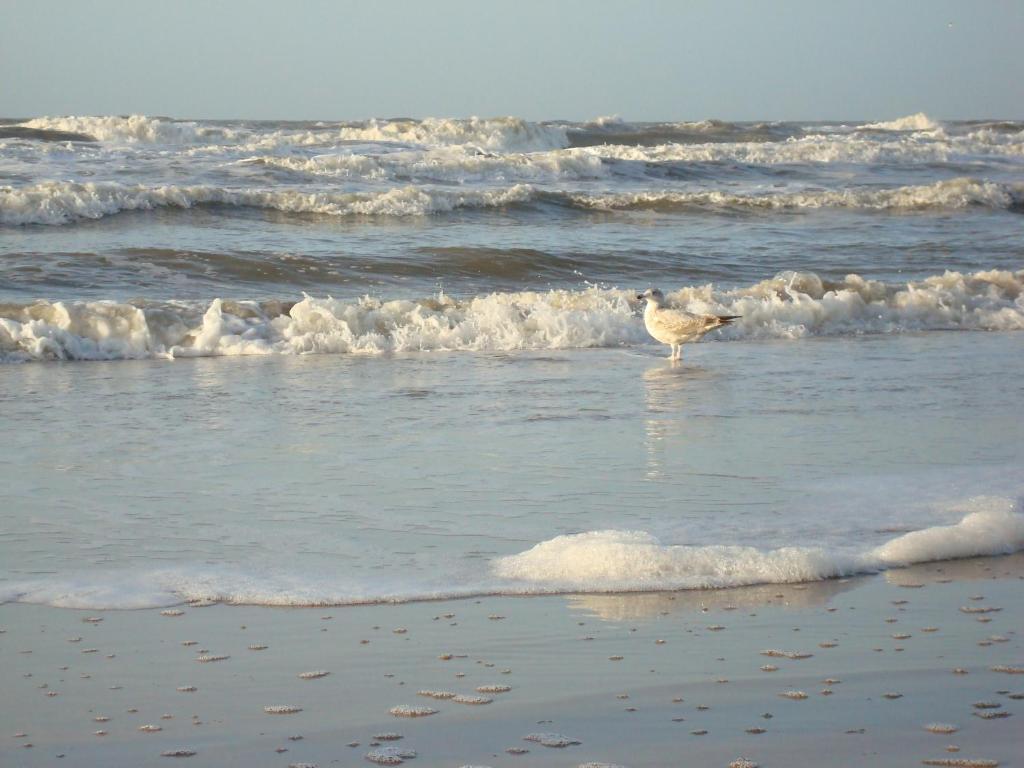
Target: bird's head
653,296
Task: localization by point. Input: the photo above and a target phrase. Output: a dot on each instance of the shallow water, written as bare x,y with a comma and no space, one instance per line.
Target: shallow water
325,479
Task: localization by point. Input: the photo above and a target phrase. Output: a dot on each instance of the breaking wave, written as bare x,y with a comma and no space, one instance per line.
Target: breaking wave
58,202
916,122
502,133
448,164
134,129
55,202
952,194
789,306
830,148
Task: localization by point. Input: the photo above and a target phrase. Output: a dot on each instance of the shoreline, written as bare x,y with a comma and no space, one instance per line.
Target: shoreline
601,669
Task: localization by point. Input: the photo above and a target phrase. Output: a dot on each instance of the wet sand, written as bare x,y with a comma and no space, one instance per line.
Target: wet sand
894,669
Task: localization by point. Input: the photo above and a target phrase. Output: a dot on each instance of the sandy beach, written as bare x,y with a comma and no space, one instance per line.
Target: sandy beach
900,668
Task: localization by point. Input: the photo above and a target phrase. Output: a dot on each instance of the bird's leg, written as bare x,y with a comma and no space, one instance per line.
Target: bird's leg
672,356
677,352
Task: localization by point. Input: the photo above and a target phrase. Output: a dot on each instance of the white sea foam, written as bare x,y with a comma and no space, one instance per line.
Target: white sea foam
104,330
448,164
54,202
63,202
135,129
995,528
615,561
501,133
789,306
916,122
948,194
823,148
591,562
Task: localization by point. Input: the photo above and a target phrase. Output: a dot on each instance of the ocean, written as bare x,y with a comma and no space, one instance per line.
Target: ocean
327,363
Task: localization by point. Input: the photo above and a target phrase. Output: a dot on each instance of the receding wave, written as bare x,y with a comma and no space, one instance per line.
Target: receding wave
622,561
788,306
56,202
592,562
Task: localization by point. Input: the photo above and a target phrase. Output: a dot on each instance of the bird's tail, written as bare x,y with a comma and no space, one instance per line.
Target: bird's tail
726,319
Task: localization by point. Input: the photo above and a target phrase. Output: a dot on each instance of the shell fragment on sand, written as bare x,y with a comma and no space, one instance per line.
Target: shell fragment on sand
390,755
786,654
461,699
404,710
555,740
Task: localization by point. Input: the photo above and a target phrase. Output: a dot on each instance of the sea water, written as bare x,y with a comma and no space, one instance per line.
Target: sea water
323,363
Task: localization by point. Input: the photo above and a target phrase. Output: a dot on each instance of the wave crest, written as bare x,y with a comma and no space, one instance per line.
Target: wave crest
57,202
500,133
916,122
135,129
63,202
950,194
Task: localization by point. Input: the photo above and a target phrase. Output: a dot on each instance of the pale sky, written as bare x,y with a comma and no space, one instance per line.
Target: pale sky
538,59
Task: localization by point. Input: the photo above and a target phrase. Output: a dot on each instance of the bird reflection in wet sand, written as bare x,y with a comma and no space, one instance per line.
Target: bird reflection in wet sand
667,391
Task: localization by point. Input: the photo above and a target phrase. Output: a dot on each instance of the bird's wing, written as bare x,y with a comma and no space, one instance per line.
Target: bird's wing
682,323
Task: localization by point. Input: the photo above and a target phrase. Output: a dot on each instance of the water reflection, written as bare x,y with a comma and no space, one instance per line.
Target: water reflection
968,569
669,386
644,605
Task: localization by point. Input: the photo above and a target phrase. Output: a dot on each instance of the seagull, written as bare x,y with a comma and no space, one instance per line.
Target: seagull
674,326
